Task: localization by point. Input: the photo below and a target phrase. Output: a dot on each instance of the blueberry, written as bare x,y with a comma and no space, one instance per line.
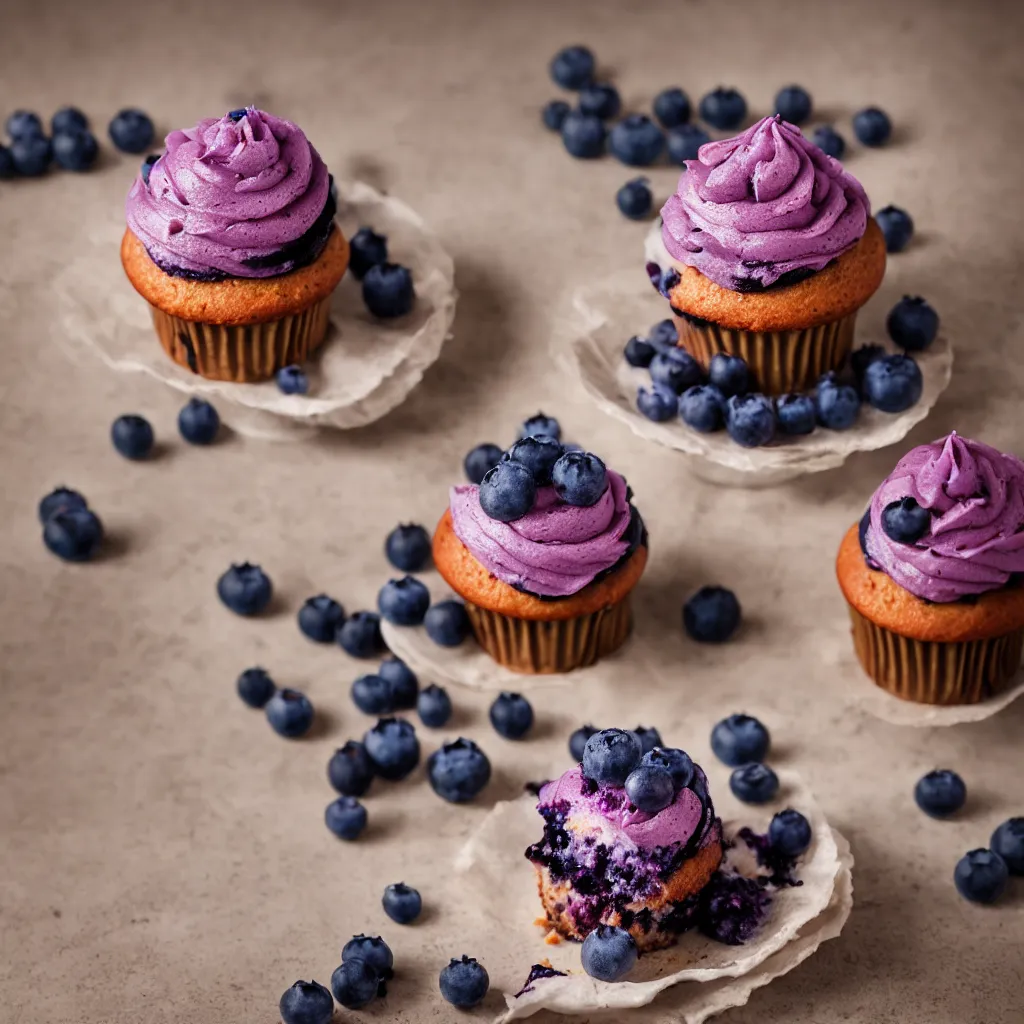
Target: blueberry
403,602
600,99
237,114
583,135
366,249
131,131
458,771
31,155
796,414
147,166
478,461
350,770
638,351
354,982
711,615
789,833
68,120
402,903
677,762
940,793
912,324
634,199
372,695
23,124
608,953
374,950
320,617
754,783
359,635
677,369
388,290
292,380
7,168
74,534
897,227
132,436
793,103
245,589
393,748
408,547
198,422
702,407
838,405
540,425
636,140
650,788
904,521
862,358
61,499
610,755
893,383
464,982
580,478
289,713
447,623
573,67
649,737
554,113
829,141
672,107
75,151
345,817
729,374
750,419
434,706
507,492
664,334
306,1002
739,740
685,141
255,687
1008,842
872,126
537,454
658,403
981,876
723,108
511,715
405,687
578,741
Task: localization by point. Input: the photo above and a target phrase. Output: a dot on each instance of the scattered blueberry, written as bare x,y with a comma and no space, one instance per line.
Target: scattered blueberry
507,491
540,425
796,414
67,121
672,107
393,748
434,706
402,903
981,876
292,380
354,982
678,763
940,793
350,770
458,771
75,151
198,422
600,99
789,833
685,141
1008,842
664,334
255,687
578,741
677,369
829,141
245,589
408,547
23,124
580,478
359,635
912,324
447,623
511,715
649,737
372,695
862,358
573,67
754,783
893,383
897,227
388,290
650,788
723,108
793,103
403,602
583,135
634,199
637,141
872,126
405,687
320,617
31,155
7,168
61,499
132,436
537,454
838,405
638,351
289,713
464,983
608,953
366,249
374,950
702,407
74,534
554,113
729,374
131,131
711,615
658,402
306,1002
750,419
479,460
345,817
739,740
905,522
610,755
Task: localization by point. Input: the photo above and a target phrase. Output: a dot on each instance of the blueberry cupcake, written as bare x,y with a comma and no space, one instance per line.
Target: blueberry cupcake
231,241
767,250
932,575
545,552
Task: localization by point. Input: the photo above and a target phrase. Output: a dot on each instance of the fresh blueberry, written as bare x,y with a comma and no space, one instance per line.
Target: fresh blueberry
366,249
554,113
541,425
131,131
893,383
434,706
292,380
75,151
829,141
862,358
729,374
754,783
61,499
583,135
458,771
464,983
678,763
750,419
608,953
345,817
638,351
402,903
359,635
658,403
306,1002
373,695
405,687
447,623
7,168
981,876
67,121
245,589
198,422
74,534
664,334
685,141
350,770
636,140
796,414
573,67
897,227
793,103
289,713
838,405
374,950
723,108
912,324
634,199
650,788
789,833
511,715
537,454
22,124
739,740
507,491
676,369
580,478
904,521
255,687
393,748
31,155
940,793
408,547
610,755
649,737
132,436
600,99
478,461
1008,842
238,113
872,126
578,741
672,107
388,290
711,615
355,983
320,617
702,407
403,602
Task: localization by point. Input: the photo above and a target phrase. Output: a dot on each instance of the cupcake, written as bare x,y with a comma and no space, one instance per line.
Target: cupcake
545,552
932,575
231,241
766,251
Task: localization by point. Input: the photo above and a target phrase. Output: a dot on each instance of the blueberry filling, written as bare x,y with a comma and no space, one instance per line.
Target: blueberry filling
731,908
790,277
780,866
537,972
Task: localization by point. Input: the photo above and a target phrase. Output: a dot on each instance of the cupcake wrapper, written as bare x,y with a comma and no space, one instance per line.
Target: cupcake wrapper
243,353
936,673
780,361
527,646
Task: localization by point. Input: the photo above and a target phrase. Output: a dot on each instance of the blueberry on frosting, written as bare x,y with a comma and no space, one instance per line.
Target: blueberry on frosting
904,521
537,454
541,425
610,755
677,762
650,788
479,460
578,741
649,737
507,491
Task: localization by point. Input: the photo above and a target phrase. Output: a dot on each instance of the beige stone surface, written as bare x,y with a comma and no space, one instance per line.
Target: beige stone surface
162,853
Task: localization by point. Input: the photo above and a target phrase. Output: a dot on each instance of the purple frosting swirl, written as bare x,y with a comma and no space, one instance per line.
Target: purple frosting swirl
975,541
241,197
764,204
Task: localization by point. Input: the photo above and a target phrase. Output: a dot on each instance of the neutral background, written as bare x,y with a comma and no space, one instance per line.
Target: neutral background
162,853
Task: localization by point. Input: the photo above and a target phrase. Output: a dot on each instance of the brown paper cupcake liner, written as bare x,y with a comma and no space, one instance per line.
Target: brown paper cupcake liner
929,672
243,353
780,361
538,647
